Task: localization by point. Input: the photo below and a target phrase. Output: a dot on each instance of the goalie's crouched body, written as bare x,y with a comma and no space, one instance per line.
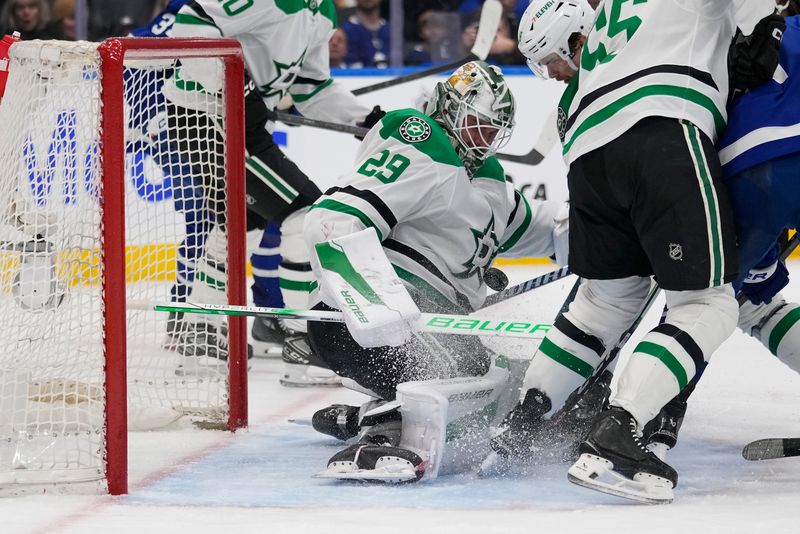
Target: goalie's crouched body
416,225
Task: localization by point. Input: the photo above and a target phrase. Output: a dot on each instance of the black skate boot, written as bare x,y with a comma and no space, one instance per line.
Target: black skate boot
302,367
205,345
377,457
661,432
337,420
515,440
268,336
570,425
614,460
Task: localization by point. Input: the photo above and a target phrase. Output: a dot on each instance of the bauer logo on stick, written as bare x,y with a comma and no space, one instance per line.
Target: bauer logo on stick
415,130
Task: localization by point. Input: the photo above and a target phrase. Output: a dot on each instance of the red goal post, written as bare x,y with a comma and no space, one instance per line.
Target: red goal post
78,234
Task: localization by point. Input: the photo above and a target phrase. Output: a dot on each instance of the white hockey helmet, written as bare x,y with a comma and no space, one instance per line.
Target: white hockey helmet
546,28
476,107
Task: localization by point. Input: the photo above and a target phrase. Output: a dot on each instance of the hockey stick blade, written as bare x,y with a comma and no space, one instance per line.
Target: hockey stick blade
771,449
491,12
438,323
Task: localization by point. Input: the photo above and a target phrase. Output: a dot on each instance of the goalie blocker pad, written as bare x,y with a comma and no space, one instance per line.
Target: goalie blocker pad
355,276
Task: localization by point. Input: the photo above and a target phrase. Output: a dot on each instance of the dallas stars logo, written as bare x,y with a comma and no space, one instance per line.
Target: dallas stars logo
284,77
486,244
415,130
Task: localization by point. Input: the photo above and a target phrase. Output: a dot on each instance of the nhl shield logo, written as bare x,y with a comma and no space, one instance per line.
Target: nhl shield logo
675,251
415,130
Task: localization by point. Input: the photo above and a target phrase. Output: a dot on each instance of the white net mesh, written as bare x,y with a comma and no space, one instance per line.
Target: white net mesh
51,303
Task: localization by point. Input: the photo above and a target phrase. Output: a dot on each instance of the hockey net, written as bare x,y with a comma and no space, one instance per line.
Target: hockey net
102,203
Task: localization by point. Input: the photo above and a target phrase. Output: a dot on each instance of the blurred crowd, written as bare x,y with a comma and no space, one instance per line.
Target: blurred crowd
433,30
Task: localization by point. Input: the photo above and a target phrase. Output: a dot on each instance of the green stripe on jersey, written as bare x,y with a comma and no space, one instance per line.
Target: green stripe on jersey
492,170
335,205
519,232
692,95
667,358
335,260
294,285
710,202
568,360
307,96
783,326
437,146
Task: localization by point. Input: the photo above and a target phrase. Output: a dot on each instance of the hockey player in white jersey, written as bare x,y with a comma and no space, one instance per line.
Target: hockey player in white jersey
415,226
552,38
285,48
638,122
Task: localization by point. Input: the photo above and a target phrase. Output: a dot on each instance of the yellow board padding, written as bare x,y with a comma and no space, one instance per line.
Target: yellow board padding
156,263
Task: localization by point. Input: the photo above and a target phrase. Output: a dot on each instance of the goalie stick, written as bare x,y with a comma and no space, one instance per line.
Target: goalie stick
534,157
438,323
771,449
491,12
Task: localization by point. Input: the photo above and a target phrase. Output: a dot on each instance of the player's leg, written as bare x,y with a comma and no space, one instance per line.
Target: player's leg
685,223
267,334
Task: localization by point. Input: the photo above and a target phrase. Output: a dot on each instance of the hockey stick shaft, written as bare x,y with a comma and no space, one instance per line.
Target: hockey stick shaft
436,323
531,158
526,286
771,449
491,12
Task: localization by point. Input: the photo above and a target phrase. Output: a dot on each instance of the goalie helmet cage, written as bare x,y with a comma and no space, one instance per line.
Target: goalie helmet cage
85,226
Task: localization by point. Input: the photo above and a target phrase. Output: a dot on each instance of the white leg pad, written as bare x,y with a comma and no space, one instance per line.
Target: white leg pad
447,422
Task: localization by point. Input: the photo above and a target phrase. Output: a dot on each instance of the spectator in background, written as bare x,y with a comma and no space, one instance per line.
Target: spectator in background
28,17
504,48
337,50
437,42
63,20
367,36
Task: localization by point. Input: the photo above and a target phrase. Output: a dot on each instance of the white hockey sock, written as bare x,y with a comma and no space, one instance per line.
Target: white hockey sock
777,326
667,358
296,277
211,279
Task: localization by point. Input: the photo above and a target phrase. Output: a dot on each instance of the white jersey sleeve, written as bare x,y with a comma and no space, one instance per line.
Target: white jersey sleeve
530,228
747,13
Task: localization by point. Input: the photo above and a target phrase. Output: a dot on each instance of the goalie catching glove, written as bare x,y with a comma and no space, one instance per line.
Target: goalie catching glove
355,276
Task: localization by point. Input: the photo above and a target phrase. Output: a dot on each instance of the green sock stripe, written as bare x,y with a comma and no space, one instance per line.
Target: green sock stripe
667,358
570,361
294,285
783,326
208,280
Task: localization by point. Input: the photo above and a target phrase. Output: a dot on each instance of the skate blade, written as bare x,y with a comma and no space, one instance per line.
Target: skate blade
494,465
201,366
262,349
394,474
597,473
305,376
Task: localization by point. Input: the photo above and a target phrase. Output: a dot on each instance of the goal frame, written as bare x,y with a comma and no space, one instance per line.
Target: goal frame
113,52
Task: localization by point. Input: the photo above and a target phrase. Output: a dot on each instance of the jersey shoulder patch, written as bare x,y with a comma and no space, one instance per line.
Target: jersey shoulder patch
414,128
491,169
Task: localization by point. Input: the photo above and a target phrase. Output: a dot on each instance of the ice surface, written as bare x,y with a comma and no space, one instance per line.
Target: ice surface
259,480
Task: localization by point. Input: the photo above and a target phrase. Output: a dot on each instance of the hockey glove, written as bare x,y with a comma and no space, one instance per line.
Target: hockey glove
371,120
762,284
752,60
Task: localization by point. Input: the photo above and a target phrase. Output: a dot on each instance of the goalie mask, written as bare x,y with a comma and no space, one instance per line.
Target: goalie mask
546,30
476,107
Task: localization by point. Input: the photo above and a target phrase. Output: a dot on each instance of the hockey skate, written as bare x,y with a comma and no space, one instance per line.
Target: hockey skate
376,457
302,367
661,432
267,337
204,345
338,420
615,460
514,441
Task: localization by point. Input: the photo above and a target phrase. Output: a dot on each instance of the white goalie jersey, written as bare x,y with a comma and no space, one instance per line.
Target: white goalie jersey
285,45
440,228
